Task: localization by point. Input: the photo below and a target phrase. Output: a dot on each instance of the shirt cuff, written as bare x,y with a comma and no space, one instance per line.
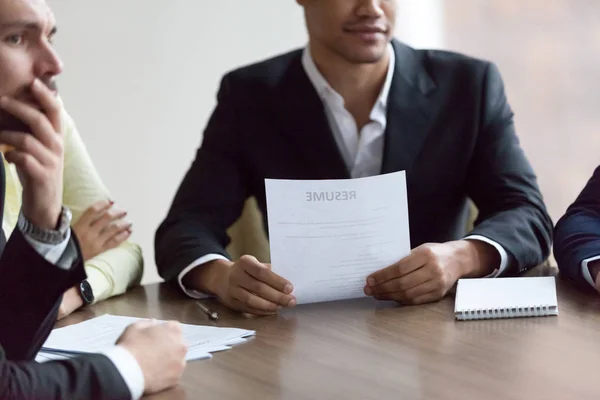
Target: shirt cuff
129,369
196,294
51,252
586,270
503,254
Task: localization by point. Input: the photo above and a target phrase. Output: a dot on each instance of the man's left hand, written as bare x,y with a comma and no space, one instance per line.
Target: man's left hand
71,301
431,270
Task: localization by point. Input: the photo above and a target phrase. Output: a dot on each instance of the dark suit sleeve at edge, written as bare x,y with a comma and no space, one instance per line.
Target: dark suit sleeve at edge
30,289
30,292
504,187
211,196
88,377
577,233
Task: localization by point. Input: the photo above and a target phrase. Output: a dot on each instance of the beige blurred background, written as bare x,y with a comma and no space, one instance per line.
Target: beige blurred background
549,54
141,78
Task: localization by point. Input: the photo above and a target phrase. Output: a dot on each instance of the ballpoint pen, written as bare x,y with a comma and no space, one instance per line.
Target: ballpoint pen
211,314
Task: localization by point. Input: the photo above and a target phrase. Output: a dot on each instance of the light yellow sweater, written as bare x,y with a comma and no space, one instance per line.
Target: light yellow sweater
110,273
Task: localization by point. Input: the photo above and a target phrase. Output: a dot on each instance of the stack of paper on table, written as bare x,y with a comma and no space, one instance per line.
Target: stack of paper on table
98,334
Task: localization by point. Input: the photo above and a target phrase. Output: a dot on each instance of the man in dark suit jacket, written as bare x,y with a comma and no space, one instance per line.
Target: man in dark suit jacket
577,234
42,259
356,103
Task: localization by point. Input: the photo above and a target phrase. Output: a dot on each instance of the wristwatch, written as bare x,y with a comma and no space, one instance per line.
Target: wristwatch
86,292
47,236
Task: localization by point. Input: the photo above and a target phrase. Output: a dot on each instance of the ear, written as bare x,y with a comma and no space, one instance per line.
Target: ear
301,3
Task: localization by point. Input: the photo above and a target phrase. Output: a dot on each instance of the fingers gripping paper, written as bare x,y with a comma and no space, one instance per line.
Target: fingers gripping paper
327,236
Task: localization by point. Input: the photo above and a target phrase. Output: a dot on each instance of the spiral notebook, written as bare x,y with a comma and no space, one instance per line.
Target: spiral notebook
505,298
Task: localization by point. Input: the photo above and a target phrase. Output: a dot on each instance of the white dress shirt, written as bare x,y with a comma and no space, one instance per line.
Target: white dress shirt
123,360
362,151
586,270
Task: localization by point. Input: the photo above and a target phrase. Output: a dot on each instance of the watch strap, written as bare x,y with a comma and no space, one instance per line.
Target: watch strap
47,236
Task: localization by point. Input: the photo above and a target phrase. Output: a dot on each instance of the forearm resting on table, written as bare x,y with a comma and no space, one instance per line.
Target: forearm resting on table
207,278
114,271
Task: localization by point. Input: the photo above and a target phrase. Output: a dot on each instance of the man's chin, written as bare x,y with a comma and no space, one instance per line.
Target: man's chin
364,54
367,56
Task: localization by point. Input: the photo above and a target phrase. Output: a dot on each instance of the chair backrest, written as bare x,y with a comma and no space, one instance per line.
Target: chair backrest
248,234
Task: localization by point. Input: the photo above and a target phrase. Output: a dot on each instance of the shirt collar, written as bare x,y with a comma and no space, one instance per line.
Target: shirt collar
323,88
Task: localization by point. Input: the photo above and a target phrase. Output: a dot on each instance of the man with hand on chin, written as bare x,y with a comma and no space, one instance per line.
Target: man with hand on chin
42,259
355,103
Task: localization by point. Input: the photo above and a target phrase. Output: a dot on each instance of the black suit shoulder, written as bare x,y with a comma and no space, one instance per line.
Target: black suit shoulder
459,72
444,59
449,71
265,74
472,80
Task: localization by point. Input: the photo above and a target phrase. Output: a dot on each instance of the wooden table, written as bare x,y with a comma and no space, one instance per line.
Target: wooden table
363,349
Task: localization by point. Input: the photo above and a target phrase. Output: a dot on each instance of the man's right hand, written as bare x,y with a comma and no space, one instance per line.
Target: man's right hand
38,156
246,285
159,350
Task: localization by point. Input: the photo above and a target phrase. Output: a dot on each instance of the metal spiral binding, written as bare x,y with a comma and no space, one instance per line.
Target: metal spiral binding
513,312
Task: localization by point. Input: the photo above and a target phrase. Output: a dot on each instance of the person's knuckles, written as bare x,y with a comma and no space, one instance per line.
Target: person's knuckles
436,269
57,145
259,272
247,260
115,213
237,276
173,326
430,252
98,207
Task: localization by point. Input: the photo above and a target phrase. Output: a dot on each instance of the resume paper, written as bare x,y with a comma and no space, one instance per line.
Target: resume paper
327,236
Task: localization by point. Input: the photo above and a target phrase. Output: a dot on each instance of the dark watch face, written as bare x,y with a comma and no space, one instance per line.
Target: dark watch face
86,292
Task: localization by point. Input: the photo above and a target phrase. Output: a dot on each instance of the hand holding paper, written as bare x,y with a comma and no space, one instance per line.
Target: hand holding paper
430,271
250,286
327,236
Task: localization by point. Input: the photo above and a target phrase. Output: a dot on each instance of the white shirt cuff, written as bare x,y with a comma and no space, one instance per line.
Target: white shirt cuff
196,294
129,369
503,254
51,252
586,270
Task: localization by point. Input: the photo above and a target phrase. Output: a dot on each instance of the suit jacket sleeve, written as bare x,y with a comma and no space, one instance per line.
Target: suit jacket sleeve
88,377
211,196
30,293
504,187
577,234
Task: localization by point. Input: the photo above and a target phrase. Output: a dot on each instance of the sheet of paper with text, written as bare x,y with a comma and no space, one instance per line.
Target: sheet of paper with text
327,236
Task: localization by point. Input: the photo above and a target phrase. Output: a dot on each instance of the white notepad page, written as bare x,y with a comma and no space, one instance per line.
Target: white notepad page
505,298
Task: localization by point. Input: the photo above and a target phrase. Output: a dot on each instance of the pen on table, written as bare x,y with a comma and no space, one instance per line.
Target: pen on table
211,314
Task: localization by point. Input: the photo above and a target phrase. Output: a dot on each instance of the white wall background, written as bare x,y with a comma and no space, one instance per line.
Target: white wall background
141,77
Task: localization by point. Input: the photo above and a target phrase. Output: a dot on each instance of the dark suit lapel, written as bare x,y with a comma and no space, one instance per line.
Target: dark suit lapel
408,121
305,123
